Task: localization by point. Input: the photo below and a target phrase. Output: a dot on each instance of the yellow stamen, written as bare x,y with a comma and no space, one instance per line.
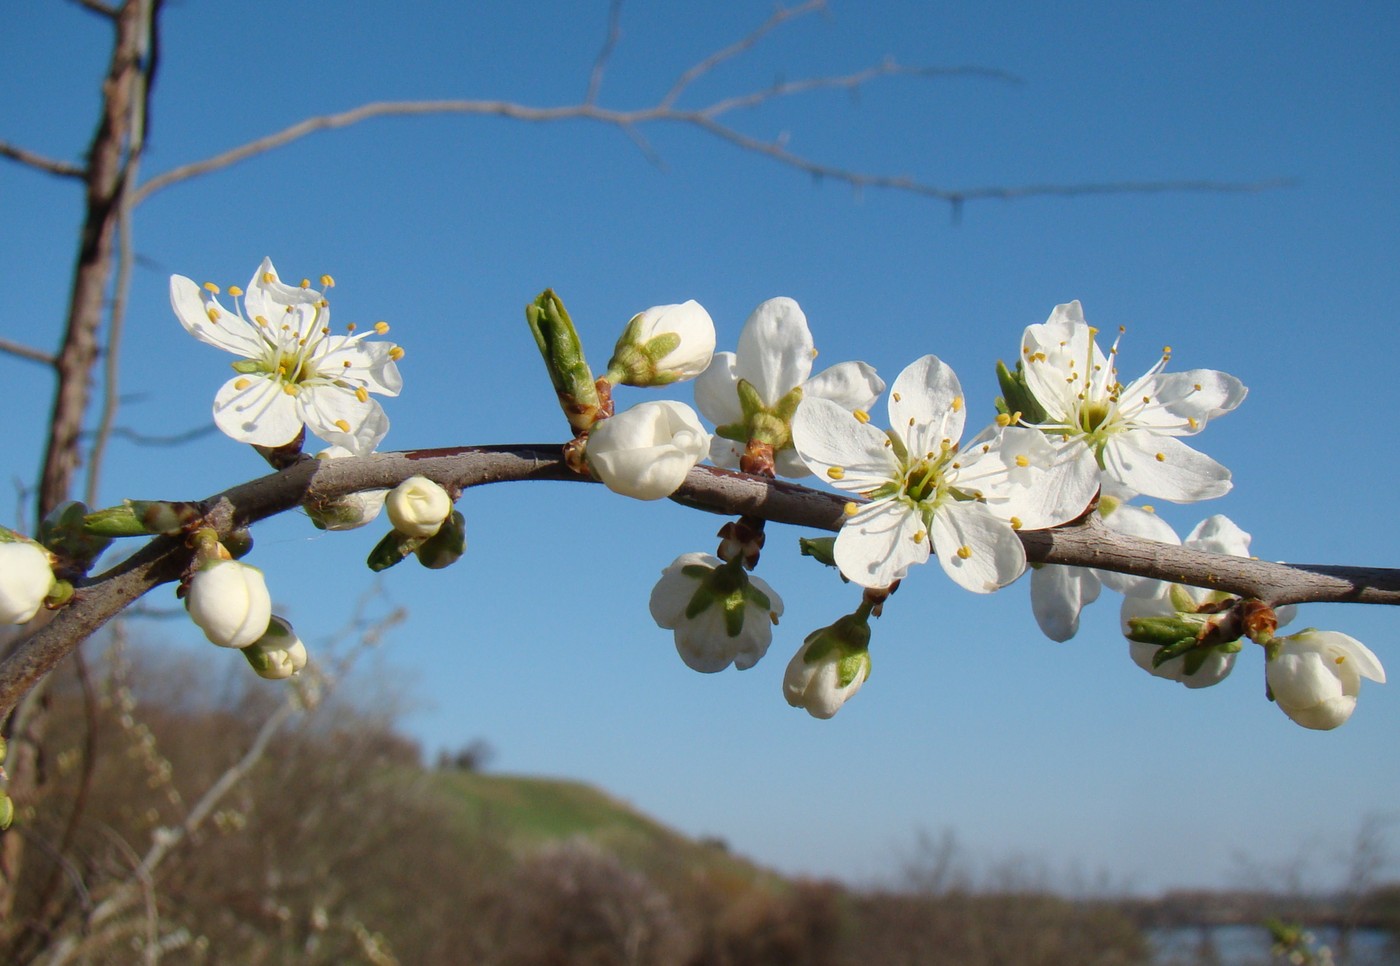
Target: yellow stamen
260,320
1339,659
350,327
773,616
291,388
1022,462
268,278
897,396
362,394
1003,419
1191,421
327,282
964,552
957,404
342,425
396,353
850,509
235,291
1149,508
861,415
1161,457
211,287
836,472
381,327
1015,523
346,363
213,315
919,536
1198,387
241,384
306,283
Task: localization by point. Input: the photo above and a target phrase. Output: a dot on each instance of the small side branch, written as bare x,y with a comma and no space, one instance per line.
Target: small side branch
27,352
61,169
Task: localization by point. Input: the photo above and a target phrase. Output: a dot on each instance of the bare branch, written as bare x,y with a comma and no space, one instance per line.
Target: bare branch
62,169
1087,544
97,7
25,352
780,16
595,79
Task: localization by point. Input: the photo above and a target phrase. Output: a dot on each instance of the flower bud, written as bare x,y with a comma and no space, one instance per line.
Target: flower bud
720,614
278,654
559,346
664,344
418,506
1166,642
647,451
26,578
1314,676
230,603
830,667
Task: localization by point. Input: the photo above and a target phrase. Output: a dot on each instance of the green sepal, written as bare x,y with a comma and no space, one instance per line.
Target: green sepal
59,594
1162,631
258,658
1175,650
247,366
445,547
820,549
1016,396
239,543
7,811
558,342
138,518
848,636
393,549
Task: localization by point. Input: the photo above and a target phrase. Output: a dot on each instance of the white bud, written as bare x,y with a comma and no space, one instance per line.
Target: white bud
720,614
418,506
230,603
665,344
829,668
647,451
348,512
1315,676
279,653
25,580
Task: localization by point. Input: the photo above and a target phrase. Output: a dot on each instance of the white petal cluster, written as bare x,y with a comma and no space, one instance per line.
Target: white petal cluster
417,507
824,674
293,372
775,357
279,653
1129,432
645,452
230,603
929,492
26,578
710,637
1315,676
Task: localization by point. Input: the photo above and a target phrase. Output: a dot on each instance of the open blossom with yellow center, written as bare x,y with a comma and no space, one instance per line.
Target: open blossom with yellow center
293,371
927,491
1129,431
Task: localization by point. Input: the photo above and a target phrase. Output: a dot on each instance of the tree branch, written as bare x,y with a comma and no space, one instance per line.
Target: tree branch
62,169
26,352
1087,543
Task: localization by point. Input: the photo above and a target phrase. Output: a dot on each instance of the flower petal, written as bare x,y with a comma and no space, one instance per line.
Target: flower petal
370,364
1058,594
231,332
926,405
775,349
839,448
851,385
877,546
1165,467
254,409
337,416
717,391
1181,403
993,556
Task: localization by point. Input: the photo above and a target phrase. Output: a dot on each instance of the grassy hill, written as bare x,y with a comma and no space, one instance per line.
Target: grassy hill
527,812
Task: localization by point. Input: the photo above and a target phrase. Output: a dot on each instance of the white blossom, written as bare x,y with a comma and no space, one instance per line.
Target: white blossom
774,359
230,603
1315,676
26,577
927,491
292,371
279,653
829,668
645,452
417,507
720,614
1129,432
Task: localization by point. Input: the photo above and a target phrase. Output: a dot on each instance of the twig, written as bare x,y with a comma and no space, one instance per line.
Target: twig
63,169
25,352
595,79
1086,544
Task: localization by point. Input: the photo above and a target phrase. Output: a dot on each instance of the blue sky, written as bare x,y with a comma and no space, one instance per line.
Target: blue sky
539,639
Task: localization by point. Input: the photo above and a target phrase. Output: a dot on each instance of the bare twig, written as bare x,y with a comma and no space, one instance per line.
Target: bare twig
97,7
595,79
26,352
63,169
1085,544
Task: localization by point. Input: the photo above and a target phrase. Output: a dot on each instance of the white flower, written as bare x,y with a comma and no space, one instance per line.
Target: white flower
774,359
1130,432
829,668
1315,676
664,344
26,578
348,512
1059,593
230,603
417,507
279,653
293,372
646,451
925,490
720,614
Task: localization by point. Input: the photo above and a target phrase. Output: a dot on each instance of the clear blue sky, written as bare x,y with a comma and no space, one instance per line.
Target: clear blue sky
539,640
